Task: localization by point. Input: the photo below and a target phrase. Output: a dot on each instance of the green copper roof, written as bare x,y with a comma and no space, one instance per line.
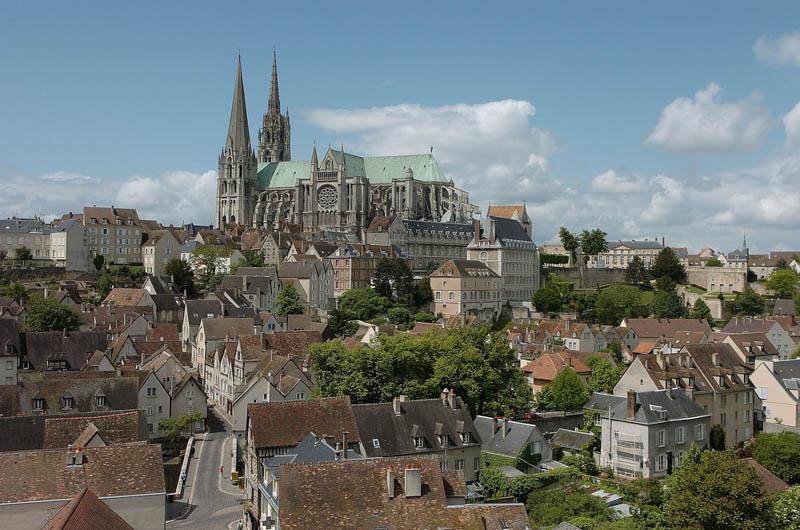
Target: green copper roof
378,169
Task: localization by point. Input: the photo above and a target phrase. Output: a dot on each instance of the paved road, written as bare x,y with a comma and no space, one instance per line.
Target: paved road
213,502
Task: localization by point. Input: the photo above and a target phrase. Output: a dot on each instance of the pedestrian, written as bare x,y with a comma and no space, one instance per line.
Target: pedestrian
221,470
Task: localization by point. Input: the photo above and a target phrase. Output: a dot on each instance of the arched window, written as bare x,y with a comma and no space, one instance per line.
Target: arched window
484,256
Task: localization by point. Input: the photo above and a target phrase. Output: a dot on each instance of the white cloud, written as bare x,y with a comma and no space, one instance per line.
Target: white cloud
612,182
791,125
173,197
489,149
704,124
783,49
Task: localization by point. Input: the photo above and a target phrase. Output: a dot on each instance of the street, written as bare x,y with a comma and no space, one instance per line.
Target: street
212,501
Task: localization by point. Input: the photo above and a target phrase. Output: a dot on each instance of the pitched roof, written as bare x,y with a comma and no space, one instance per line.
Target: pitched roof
197,310
84,511
380,224
116,427
221,327
114,470
509,211
654,328
124,296
772,483
463,268
571,439
516,435
9,337
746,324
286,423
548,365
292,343
784,307
121,392
649,406
75,347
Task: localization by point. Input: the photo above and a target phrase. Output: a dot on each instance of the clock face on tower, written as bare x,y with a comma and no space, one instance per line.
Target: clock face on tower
326,197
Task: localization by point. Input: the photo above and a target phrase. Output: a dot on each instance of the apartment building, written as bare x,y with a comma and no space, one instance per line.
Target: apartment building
115,233
620,253
467,289
160,247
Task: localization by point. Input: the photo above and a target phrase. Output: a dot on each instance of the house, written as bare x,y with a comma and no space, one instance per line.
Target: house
751,346
777,385
354,265
397,493
712,375
784,308
276,247
167,308
214,331
658,329
193,312
9,351
466,288
313,279
645,434
154,399
620,253
160,247
85,507
278,427
776,334
442,427
72,392
59,350
128,478
258,285
504,437
571,440
542,370
123,296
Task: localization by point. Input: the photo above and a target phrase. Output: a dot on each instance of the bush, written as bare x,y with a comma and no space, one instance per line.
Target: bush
780,453
425,317
400,316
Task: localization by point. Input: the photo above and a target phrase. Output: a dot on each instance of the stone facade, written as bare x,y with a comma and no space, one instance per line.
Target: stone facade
467,289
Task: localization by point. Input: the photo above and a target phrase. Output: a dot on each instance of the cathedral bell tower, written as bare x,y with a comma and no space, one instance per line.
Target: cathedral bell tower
236,178
274,137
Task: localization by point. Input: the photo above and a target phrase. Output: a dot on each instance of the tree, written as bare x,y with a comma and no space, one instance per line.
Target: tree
780,453
593,242
713,262
604,376
783,282
363,303
552,506
98,261
399,315
700,311
565,392
206,260
424,317
49,315
104,285
23,253
749,302
182,276
570,243
616,302
715,490
175,428
548,298
668,304
668,264
786,510
288,301
636,271
716,438
250,258
3,254
339,323
423,295
16,291
393,280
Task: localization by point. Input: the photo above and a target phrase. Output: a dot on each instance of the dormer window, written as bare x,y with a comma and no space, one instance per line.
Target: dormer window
465,438
68,402
38,404
100,401
747,378
722,380
443,441
419,442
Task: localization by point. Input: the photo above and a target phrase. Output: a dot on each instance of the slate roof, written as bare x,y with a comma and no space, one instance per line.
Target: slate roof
418,227
756,344
285,424
788,369
654,328
197,310
307,500
115,470
9,337
116,427
166,302
427,418
85,511
569,439
220,327
509,229
678,406
463,268
121,393
748,324
784,307
314,449
517,435
73,346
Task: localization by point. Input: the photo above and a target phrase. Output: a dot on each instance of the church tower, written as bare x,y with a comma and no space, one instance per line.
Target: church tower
236,179
274,137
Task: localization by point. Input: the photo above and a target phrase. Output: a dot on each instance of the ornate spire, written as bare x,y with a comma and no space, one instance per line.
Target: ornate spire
314,161
274,105
343,164
238,130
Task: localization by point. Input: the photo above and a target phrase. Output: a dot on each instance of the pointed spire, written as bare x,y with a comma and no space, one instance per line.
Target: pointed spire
238,129
314,161
343,165
274,105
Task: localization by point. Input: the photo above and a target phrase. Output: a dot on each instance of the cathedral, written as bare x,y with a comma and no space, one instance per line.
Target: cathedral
338,191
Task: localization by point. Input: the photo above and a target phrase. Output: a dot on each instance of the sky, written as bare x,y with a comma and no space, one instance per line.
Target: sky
678,119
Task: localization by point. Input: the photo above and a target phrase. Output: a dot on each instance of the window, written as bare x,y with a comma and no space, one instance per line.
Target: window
443,464
38,404
68,402
722,418
459,464
160,409
419,442
150,427
149,410
300,395
438,295
376,443
100,401
661,438
9,365
452,295
699,432
747,416
661,462
748,398
443,441
680,435
465,438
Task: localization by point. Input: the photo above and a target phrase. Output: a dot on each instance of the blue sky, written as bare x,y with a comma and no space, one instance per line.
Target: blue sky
129,102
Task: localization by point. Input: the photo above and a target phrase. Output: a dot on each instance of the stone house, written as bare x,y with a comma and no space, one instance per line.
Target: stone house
775,333
658,329
542,370
777,385
465,288
313,279
504,437
154,399
258,285
160,247
193,312
214,331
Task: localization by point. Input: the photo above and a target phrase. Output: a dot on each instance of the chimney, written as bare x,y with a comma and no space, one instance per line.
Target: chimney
715,359
451,399
396,406
689,391
390,481
476,229
344,445
443,396
505,426
263,338
631,409
668,390
494,425
413,483
660,359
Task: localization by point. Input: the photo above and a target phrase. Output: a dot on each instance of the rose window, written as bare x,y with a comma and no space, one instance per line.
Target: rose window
326,197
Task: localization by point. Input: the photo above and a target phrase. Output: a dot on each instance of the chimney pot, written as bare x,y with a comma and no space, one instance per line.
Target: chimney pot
631,405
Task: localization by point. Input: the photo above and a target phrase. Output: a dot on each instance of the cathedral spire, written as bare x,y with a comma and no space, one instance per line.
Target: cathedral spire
238,130
314,161
274,105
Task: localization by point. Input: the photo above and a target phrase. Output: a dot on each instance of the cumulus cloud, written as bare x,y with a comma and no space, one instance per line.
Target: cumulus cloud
490,149
172,197
781,49
705,124
791,125
612,182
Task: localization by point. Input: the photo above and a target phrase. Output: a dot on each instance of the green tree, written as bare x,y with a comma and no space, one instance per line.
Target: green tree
175,428
340,323
668,304
616,302
16,291
393,280
780,453
783,282
782,264
716,437
363,303
98,261
604,376
104,285
555,505
593,242
250,258
715,490
749,303
23,253
786,510
424,317
566,392
548,298
423,295
713,262
399,315
570,243
49,315
668,264
182,276
3,254
288,301
700,311
206,261
636,271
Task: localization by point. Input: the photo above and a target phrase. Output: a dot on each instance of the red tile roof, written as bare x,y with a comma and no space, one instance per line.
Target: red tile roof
548,365
86,511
